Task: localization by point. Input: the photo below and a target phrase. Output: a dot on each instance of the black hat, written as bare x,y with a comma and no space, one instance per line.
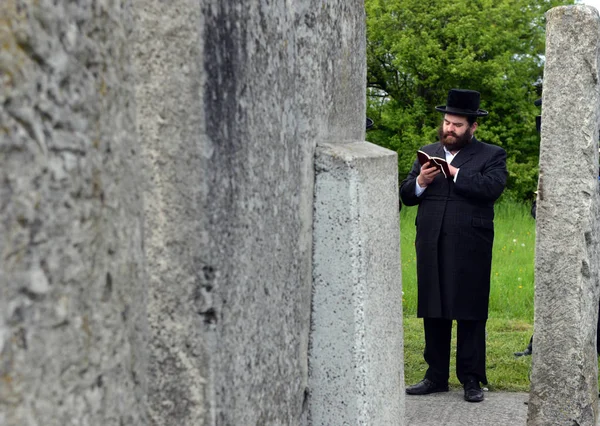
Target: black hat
462,102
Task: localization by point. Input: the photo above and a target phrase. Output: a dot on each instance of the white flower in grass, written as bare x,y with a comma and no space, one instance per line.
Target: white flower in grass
514,241
522,244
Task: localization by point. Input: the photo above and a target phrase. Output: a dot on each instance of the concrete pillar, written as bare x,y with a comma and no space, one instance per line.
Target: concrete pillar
564,387
356,355
72,284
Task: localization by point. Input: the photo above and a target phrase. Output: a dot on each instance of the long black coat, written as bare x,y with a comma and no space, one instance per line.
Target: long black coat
455,232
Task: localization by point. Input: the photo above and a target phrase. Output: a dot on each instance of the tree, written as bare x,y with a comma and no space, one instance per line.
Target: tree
417,50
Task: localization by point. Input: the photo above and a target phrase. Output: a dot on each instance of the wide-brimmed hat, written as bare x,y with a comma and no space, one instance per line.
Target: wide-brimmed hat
462,102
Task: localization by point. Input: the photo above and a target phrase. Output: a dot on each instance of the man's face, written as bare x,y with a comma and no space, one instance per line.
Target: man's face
455,132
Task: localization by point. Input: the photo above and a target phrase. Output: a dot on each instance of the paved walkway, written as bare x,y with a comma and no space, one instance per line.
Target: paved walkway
450,409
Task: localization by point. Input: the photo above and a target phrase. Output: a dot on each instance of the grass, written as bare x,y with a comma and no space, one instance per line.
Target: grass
510,322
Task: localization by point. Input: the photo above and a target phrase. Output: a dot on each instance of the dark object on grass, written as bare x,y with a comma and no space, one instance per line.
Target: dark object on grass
527,350
369,123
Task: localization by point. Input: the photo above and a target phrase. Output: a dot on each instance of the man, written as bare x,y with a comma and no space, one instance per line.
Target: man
455,232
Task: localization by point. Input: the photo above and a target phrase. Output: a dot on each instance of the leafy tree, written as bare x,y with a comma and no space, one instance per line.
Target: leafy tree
417,50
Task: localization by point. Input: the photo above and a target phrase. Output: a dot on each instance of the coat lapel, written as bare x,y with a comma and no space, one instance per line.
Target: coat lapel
439,151
465,154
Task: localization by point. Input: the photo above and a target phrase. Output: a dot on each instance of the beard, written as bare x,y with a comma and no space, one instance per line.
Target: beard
452,141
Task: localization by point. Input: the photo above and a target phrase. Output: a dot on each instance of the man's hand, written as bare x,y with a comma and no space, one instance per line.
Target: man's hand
428,172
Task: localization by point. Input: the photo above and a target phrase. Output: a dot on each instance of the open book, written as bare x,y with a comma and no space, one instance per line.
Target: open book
440,163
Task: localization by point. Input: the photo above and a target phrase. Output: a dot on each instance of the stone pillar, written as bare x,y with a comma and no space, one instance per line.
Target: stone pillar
232,98
564,386
72,284
356,355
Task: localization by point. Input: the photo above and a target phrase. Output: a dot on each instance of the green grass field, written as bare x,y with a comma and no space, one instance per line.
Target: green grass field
510,322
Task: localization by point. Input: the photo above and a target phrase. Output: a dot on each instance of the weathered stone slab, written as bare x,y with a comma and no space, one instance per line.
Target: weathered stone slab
232,99
564,386
72,285
356,347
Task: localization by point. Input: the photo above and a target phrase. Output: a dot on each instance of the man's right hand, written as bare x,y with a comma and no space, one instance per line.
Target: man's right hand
428,172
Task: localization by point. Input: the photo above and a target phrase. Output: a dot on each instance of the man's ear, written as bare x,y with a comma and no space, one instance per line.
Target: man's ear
474,126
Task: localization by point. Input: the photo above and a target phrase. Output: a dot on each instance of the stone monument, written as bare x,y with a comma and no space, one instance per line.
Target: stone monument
72,269
233,99
157,197
564,385
356,351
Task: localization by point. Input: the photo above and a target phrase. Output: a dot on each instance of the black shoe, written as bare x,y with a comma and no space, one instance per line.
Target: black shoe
524,353
425,387
473,392
528,350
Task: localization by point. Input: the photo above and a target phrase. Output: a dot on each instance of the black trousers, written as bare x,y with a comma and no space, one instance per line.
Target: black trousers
470,349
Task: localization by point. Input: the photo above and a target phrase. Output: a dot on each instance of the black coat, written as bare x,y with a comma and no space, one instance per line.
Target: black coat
455,232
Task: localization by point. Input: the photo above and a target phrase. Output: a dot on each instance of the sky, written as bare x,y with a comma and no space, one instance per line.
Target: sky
595,3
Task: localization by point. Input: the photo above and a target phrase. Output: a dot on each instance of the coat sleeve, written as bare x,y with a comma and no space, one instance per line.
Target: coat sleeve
487,183
407,187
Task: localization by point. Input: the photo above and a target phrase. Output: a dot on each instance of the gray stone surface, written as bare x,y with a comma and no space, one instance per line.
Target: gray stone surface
341,45
450,409
564,387
169,80
356,354
232,99
72,299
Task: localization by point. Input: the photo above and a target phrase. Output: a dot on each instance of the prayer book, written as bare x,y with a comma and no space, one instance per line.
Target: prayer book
439,163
